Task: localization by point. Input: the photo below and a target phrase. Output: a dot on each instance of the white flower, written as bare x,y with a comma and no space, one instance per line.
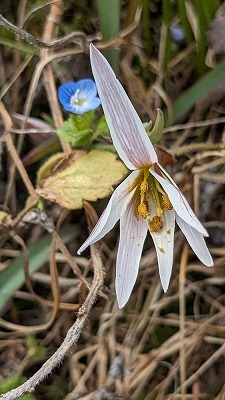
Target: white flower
147,200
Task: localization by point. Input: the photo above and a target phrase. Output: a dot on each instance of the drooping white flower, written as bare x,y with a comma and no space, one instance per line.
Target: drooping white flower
147,200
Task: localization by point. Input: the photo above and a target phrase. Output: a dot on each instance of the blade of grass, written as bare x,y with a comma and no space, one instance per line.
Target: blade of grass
189,37
47,147
146,26
187,100
184,22
166,19
12,278
20,46
210,8
109,16
202,26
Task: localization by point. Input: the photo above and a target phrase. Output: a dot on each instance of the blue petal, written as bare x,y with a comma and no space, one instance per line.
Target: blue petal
66,91
87,106
91,104
88,92
73,109
87,88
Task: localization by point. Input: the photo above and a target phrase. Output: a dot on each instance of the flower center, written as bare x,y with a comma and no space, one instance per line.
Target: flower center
77,99
152,197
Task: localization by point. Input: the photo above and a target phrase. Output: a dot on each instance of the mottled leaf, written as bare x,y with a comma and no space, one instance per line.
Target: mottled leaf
82,176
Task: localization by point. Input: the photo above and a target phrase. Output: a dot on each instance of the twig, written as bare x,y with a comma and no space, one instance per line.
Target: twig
195,124
72,336
48,77
39,43
204,367
182,358
11,148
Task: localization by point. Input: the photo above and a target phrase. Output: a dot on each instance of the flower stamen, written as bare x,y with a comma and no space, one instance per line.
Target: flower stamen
155,224
144,187
143,209
166,202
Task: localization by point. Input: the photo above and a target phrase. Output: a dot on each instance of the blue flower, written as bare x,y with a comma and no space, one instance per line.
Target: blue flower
79,97
177,34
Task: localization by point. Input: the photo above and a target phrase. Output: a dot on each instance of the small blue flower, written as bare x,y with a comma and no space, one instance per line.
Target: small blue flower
79,97
177,34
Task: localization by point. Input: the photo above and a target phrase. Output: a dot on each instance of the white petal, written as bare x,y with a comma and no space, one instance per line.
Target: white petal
196,241
113,211
180,203
164,244
133,232
165,173
128,134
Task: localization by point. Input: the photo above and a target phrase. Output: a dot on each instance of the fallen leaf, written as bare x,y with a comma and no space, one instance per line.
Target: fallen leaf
82,176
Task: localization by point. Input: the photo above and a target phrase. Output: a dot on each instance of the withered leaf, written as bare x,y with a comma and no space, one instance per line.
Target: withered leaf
82,176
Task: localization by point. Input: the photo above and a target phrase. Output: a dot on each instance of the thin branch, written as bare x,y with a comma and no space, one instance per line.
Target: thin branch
182,306
72,336
55,43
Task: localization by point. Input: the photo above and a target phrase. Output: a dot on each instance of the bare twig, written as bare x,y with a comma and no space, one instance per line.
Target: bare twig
55,43
72,336
182,359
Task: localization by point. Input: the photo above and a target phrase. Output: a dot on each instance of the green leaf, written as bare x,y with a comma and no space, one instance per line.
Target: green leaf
82,176
157,130
102,128
16,45
77,130
198,91
12,278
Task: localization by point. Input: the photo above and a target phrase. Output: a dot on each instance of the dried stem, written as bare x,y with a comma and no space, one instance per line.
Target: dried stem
72,336
14,155
48,76
182,358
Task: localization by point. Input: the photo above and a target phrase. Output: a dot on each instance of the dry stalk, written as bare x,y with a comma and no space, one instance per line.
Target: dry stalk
182,360
48,76
72,335
12,150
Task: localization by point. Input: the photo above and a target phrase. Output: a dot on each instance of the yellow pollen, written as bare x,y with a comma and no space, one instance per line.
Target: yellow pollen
155,224
144,187
159,211
143,209
166,202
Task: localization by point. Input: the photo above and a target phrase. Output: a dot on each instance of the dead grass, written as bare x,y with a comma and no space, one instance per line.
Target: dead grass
160,346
